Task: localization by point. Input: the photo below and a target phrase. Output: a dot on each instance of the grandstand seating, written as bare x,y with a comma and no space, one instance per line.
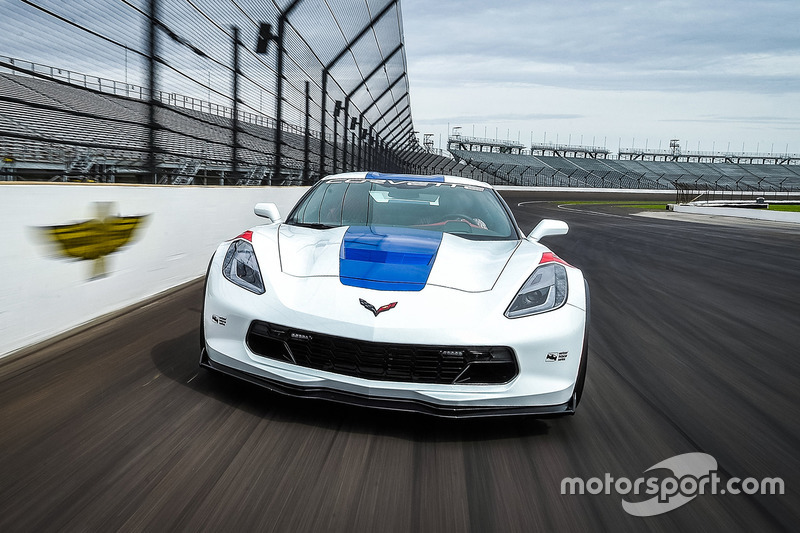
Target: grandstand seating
47,122
552,171
522,169
79,120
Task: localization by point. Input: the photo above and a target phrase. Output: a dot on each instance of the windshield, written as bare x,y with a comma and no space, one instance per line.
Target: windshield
469,211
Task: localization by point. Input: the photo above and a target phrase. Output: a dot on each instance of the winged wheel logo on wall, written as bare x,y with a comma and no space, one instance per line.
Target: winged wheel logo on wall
94,239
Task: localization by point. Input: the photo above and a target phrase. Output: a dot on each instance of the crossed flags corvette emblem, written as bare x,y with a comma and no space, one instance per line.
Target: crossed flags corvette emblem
378,311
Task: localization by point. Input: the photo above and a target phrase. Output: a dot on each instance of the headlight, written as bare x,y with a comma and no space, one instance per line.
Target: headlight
241,267
545,290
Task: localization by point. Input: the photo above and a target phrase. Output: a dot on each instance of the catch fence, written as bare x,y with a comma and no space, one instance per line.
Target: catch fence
240,92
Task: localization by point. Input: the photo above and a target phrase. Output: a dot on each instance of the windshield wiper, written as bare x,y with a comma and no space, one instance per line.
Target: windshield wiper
481,237
312,225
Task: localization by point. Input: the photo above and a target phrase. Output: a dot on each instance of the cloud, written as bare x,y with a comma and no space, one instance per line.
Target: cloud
750,73
619,32
509,117
609,67
739,119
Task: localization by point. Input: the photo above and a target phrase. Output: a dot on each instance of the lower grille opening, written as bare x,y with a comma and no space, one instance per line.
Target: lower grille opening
488,372
261,342
384,361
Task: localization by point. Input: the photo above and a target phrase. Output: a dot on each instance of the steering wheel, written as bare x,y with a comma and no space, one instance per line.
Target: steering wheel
459,217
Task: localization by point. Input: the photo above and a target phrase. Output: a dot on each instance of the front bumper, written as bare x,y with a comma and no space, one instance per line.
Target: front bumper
386,403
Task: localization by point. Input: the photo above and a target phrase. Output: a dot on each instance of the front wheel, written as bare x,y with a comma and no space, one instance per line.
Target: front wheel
203,308
581,380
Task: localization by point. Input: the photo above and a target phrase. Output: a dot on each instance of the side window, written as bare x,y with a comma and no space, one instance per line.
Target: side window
330,211
356,204
309,212
496,218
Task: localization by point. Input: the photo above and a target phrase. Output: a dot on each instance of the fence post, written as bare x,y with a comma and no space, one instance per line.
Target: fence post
353,146
370,149
151,85
336,112
322,121
236,73
306,177
360,142
279,89
346,128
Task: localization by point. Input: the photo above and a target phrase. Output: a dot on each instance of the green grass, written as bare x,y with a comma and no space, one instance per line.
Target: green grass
781,207
577,202
662,206
634,205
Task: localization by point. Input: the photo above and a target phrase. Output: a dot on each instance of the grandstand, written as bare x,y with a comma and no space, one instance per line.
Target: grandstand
310,88
50,129
590,168
54,130
552,171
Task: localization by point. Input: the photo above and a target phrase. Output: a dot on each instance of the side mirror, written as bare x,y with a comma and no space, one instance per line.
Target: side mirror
548,227
268,210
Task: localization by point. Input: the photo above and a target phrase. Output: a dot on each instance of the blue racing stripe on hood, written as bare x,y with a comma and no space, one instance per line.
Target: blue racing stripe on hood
387,258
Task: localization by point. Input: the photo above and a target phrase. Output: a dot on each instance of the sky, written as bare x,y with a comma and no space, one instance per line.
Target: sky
717,75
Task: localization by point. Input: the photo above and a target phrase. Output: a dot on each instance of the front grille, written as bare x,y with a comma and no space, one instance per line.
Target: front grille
411,363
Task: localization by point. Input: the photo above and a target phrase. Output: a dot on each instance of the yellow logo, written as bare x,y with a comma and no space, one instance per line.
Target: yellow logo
93,240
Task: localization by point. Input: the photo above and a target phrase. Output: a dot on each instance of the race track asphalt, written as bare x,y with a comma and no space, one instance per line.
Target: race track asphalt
694,348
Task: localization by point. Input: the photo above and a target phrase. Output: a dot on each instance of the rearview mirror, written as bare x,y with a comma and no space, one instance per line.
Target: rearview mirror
268,210
548,227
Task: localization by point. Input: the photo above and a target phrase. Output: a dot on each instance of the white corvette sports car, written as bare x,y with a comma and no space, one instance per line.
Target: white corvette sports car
414,293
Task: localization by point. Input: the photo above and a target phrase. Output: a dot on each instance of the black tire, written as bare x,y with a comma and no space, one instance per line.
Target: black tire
579,383
203,309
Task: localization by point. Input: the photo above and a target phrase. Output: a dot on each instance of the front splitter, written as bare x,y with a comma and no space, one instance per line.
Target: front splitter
390,404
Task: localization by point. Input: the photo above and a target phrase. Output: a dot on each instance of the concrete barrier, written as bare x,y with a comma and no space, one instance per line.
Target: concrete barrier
73,252
755,214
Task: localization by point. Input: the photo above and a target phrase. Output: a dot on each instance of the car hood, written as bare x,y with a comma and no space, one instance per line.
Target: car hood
386,258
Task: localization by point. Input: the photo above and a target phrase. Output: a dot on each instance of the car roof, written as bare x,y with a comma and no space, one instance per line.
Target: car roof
409,177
